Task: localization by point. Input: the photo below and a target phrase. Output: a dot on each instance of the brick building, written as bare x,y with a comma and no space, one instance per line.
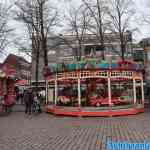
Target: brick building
21,66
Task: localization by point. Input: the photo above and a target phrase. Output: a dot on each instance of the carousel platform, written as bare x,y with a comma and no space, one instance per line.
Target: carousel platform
94,111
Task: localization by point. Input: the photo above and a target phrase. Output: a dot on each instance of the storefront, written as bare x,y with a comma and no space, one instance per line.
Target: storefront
7,95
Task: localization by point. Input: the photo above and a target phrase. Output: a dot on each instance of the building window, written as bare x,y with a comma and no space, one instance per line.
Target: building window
25,72
139,56
51,52
148,56
88,49
92,49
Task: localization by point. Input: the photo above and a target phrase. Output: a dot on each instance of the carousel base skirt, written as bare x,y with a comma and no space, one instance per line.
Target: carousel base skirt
91,111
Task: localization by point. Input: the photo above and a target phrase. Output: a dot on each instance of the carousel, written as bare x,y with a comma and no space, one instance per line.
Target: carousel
93,87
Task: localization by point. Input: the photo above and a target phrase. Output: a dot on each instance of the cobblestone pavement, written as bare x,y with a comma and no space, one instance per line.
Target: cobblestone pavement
47,132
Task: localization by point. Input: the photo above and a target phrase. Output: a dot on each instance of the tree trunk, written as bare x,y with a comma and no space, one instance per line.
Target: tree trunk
37,67
43,38
101,30
44,46
122,51
122,46
80,50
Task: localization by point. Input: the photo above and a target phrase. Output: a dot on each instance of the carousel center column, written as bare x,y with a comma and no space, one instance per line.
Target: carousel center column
56,90
46,84
79,90
109,90
134,91
142,88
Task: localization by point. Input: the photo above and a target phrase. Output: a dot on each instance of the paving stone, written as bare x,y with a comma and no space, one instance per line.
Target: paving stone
46,132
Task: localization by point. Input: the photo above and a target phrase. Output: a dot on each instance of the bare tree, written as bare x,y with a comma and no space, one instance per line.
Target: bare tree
77,23
39,17
121,12
98,25
46,18
23,46
145,15
5,31
28,14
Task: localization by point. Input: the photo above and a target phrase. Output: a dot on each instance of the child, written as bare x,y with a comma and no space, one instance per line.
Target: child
36,105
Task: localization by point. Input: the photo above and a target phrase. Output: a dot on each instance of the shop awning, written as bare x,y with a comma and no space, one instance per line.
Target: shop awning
22,82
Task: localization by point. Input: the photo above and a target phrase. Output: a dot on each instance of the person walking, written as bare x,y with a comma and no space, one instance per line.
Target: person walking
28,99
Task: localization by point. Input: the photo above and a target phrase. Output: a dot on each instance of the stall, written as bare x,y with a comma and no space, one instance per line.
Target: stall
7,82
95,88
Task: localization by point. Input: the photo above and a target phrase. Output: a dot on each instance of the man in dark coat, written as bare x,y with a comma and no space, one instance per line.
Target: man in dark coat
28,100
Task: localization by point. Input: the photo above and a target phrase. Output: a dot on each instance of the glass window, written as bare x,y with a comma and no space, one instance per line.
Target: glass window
51,52
148,56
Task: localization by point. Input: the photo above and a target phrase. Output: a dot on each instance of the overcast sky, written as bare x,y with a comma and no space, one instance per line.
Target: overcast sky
140,6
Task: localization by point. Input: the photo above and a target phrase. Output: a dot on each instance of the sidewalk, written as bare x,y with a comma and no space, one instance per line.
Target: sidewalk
18,108
47,132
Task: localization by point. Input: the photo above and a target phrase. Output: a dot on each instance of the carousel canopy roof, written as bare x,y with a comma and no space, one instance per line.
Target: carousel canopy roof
93,63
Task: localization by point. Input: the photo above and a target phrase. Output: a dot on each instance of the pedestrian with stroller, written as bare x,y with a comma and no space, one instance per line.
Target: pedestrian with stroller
36,104
28,100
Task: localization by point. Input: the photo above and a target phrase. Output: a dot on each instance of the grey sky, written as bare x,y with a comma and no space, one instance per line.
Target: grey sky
140,7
